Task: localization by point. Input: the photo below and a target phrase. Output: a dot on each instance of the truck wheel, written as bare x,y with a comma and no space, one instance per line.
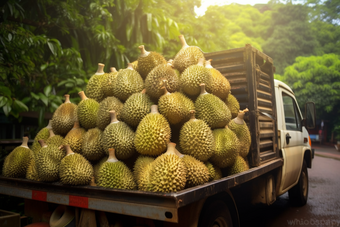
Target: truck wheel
298,195
216,214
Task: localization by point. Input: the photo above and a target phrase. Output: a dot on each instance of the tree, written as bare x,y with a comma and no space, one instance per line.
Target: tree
290,36
317,79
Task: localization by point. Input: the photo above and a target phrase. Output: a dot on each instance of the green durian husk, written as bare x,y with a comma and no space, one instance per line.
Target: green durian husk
16,162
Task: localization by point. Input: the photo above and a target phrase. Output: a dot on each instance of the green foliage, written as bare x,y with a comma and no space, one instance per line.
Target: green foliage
317,79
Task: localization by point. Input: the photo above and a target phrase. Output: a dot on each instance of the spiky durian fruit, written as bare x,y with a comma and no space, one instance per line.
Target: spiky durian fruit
74,169
94,86
140,164
109,82
115,174
17,162
97,166
239,166
64,117
175,107
148,60
75,137
154,80
48,161
103,117
240,128
135,65
32,172
187,56
197,172
226,147
193,76
143,181
92,148
120,136
196,139
43,134
128,82
136,107
168,172
233,105
56,140
152,134
220,85
87,111
215,172
212,110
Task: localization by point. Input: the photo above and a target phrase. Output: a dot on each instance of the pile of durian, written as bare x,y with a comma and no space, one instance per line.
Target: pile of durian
158,126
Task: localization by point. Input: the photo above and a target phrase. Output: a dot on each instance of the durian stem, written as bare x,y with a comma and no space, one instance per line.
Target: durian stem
49,126
42,143
76,125
200,62
143,52
143,91
170,62
240,116
165,91
82,95
113,69
171,148
24,141
112,155
67,98
130,66
208,64
68,149
51,133
203,91
192,115
100,69
154,109
93,182
113,116
183,42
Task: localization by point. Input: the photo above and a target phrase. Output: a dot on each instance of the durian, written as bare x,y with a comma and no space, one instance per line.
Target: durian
115,174
17,161
64,117
187,56
136,107
215,172
212,110
196,139
32,172
94,86
92,145
97,166
220,85
141,162
109,82
193,76
152,134
240,165
48,161
87,111
240,128
56,140
175,107
226,147
103,117
233,105
75,138
154,80
143,181
148,60
128,82
74,169
120,136
168,172
43,134
197,172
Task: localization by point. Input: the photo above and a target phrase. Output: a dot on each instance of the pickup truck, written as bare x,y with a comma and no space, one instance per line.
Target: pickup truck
279,156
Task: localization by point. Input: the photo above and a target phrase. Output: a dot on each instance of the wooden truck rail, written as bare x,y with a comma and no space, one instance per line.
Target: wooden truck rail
157,206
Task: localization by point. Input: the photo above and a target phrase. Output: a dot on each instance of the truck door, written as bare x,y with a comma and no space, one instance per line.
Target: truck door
292,140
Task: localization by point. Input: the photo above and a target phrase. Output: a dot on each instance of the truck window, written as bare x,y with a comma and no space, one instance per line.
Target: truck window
292,118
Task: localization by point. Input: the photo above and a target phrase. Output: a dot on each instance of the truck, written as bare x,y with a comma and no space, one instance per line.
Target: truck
279,156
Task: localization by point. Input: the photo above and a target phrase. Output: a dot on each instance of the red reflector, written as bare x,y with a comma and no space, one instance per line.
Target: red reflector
78,201
39,195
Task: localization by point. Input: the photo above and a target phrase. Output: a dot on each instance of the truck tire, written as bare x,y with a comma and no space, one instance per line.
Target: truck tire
298,194
215,214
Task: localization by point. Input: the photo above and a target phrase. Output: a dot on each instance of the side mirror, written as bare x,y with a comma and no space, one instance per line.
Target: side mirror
309,121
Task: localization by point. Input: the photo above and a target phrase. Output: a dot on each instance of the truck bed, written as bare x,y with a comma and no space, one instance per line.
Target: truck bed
158,206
